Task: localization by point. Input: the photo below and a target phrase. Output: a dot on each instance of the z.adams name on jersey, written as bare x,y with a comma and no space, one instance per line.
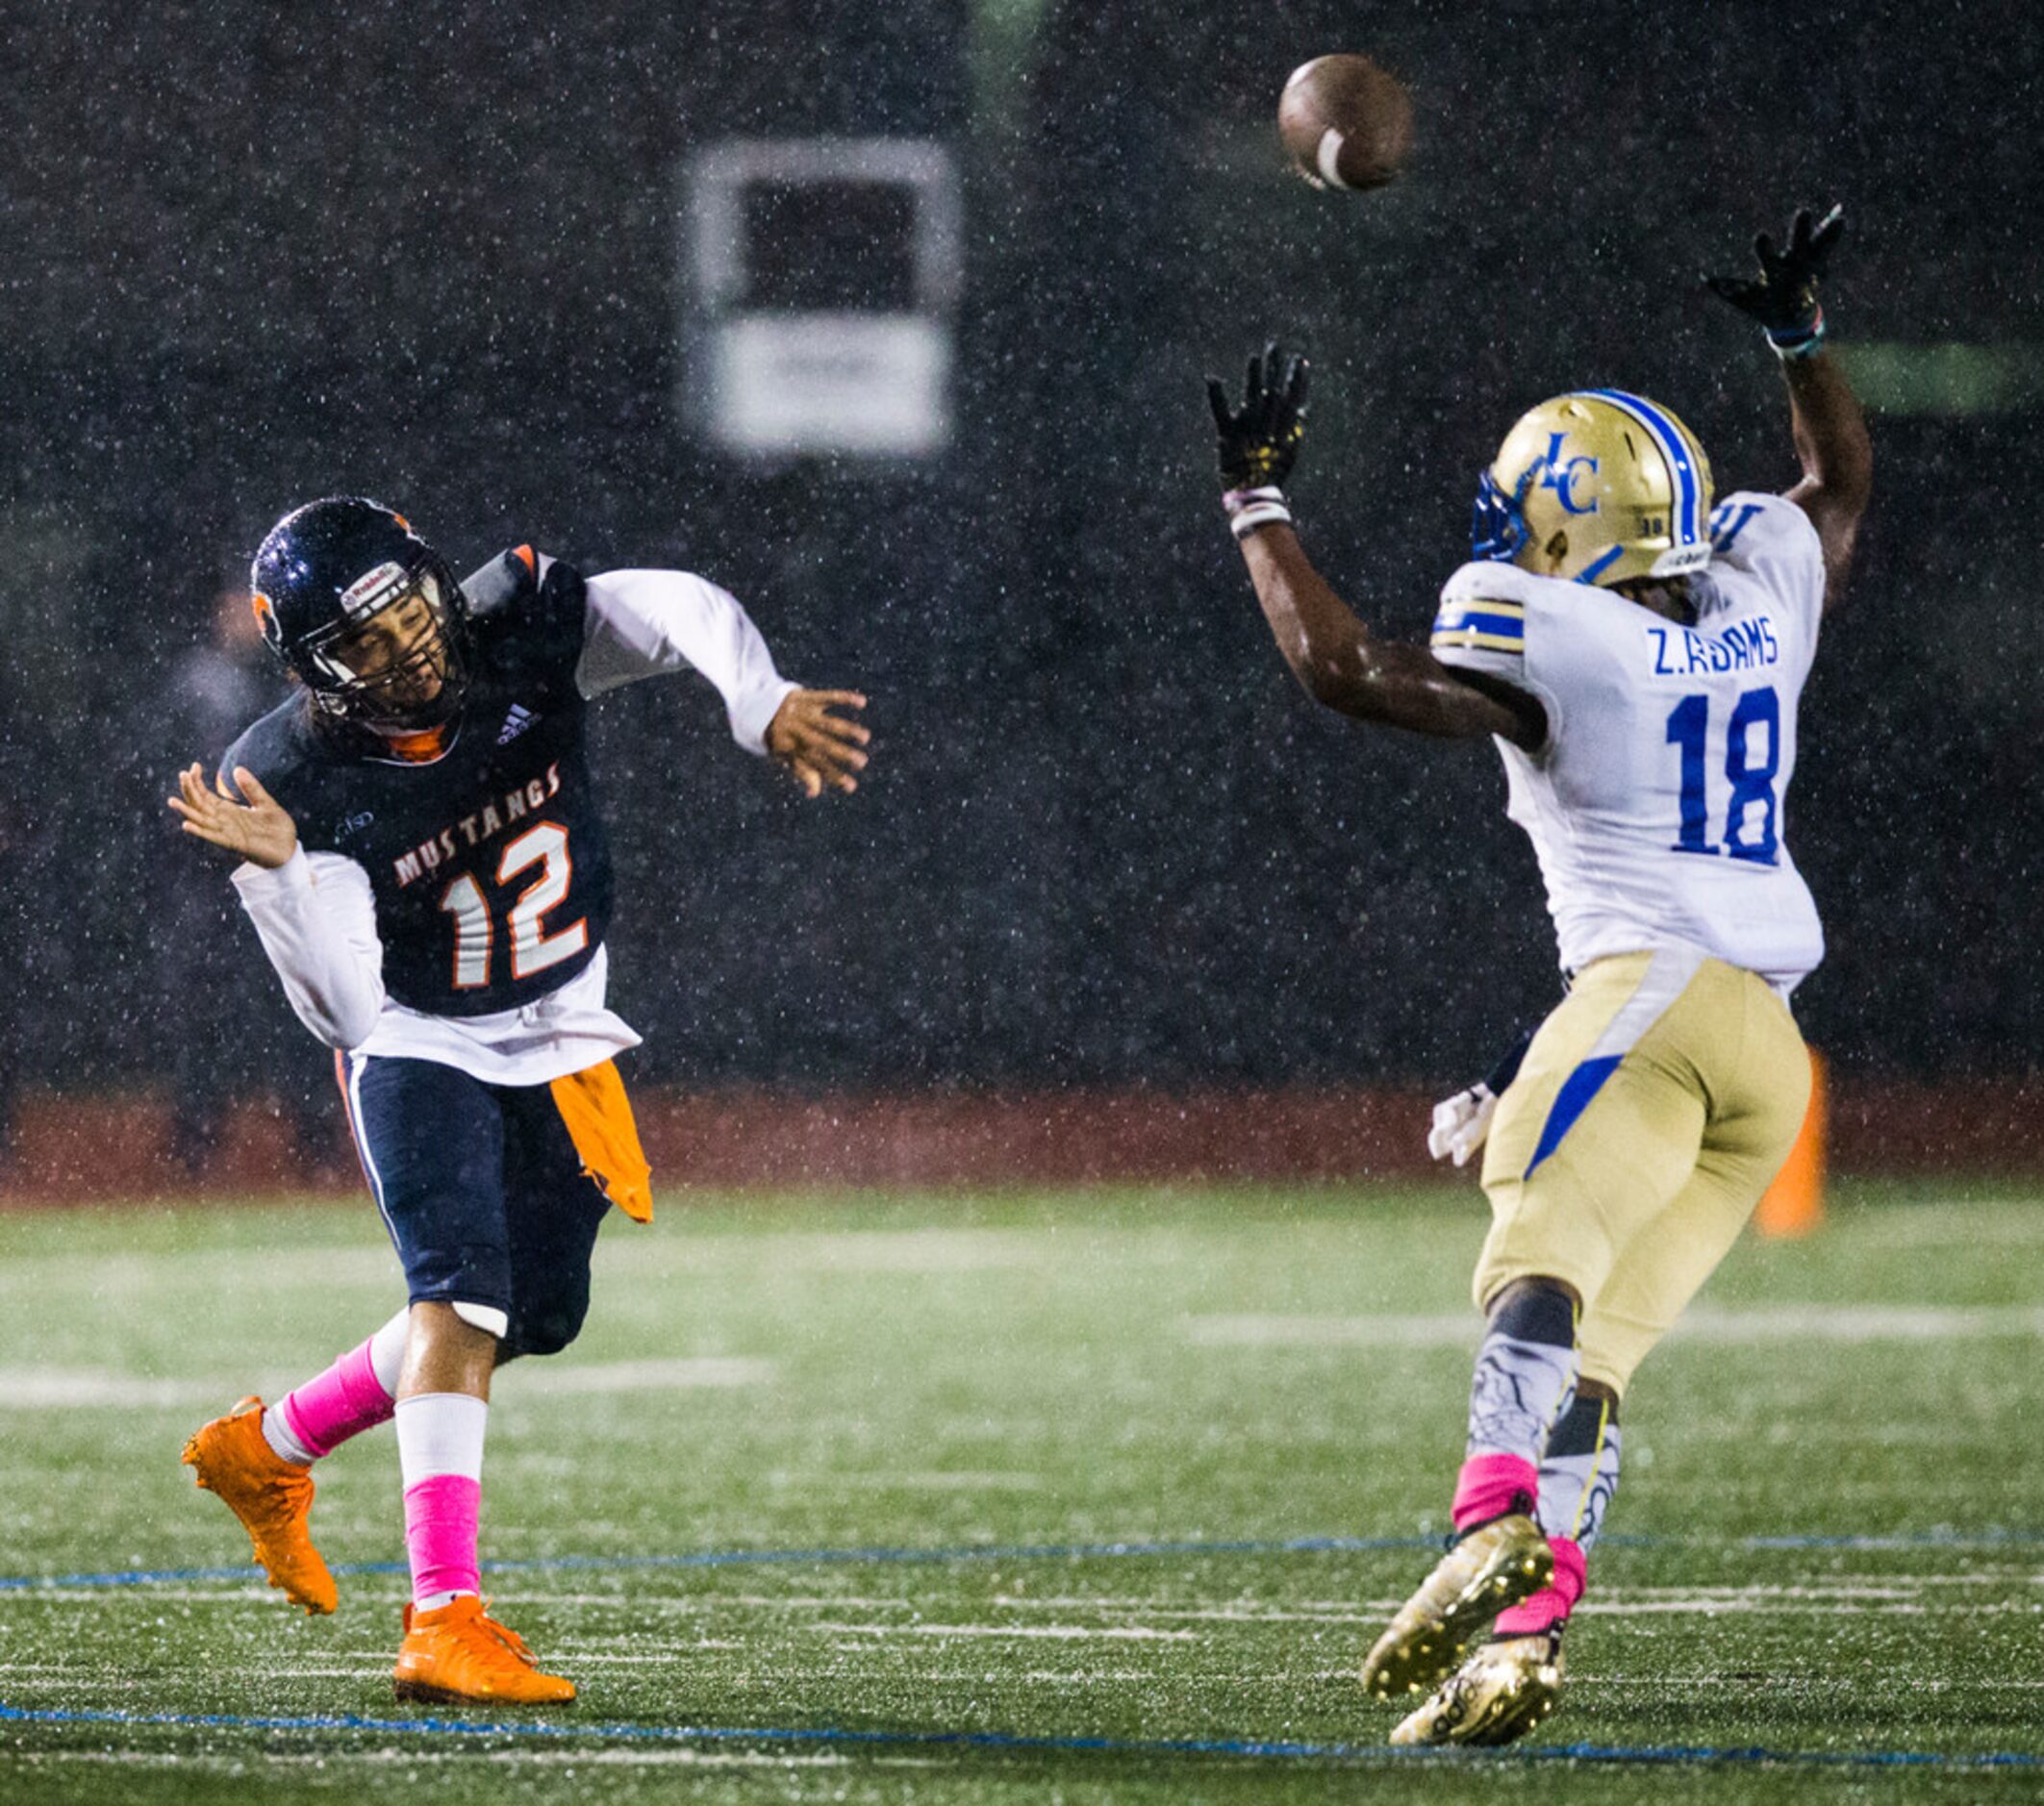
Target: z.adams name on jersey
490,867
1742,646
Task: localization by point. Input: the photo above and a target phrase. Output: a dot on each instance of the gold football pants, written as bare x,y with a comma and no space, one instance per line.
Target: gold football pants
1652,1111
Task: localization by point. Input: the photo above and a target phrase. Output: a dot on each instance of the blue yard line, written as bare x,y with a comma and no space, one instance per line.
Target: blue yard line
1663,1754
1018,1552
760,1557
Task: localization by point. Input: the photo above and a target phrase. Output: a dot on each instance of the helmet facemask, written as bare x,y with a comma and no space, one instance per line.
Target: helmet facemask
393,662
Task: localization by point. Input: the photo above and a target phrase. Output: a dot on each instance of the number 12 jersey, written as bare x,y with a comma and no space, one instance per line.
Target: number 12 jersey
454,908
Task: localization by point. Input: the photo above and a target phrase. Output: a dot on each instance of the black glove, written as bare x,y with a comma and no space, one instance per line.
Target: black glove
1783,296
1257,442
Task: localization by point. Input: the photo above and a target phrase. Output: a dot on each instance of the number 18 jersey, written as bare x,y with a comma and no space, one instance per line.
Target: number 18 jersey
1658,805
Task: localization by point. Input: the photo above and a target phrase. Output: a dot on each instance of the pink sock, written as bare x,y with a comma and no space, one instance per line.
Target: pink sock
343,1402
1556,1600
442,1515
1490,1486
439,1451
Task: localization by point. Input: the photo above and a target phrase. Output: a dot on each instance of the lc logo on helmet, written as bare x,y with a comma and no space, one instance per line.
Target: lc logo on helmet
1560,477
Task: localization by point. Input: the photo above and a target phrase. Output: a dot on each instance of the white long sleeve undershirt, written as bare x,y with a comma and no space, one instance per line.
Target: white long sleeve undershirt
317,920
644,623
317,913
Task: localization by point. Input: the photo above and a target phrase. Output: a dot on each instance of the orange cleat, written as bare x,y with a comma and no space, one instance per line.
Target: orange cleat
457,1652
272,1497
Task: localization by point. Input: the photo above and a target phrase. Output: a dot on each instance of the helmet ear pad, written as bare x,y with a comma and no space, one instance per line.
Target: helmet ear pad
1556,552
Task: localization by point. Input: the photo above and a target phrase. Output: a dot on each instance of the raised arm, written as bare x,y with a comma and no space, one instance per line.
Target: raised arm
1337,659
649,623
643,623
1831,432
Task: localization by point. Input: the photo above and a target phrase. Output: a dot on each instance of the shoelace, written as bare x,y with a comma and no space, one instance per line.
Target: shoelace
505,1635
479,1641
283,1500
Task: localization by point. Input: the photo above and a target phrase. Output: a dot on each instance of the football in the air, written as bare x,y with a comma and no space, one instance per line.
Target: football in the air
1345,122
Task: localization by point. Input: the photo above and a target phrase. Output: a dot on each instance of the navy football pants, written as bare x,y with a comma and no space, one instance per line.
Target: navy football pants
482,1190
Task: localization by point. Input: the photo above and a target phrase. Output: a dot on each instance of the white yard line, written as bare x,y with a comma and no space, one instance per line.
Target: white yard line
1056,1633
1779,1323
645,1376
871,1251
935,1480
41,1389
420,1753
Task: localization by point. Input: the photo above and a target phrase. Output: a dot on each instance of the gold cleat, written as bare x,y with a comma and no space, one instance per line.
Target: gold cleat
1496,1696
1485,1573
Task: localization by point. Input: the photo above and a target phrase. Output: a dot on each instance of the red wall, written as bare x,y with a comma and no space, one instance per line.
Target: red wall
79,1148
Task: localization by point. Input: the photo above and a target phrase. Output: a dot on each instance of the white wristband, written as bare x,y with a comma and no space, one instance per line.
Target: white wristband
1249,509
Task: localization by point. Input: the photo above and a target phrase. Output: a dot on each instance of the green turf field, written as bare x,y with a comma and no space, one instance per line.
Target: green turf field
975,1468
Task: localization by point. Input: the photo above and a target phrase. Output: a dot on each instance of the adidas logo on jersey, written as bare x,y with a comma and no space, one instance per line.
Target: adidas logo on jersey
516,723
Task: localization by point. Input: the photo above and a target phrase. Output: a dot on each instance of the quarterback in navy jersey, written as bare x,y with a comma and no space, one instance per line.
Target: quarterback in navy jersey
424,860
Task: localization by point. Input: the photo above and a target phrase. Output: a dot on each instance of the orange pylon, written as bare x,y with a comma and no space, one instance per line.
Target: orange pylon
1794,1204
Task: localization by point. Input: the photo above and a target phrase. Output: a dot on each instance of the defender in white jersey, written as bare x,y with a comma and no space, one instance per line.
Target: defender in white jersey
1638,657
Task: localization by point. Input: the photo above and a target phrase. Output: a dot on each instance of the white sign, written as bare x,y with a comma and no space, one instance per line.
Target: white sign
823,361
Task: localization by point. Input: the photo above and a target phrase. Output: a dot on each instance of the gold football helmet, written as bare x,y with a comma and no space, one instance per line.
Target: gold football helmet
1598,486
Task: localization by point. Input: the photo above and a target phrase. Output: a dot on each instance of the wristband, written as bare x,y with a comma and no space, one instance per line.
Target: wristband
1248,509
1799,340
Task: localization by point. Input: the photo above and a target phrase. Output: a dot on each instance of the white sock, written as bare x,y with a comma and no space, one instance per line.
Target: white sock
1519,1390
1578,1474
282,1442
387,1350
440,1433
1525,1372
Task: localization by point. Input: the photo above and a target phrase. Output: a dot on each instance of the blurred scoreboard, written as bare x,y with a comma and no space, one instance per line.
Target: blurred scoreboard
822,278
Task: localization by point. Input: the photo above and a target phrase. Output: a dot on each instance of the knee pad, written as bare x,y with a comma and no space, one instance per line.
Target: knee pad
485,1318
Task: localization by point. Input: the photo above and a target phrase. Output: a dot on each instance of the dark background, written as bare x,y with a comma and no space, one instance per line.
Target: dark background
258,254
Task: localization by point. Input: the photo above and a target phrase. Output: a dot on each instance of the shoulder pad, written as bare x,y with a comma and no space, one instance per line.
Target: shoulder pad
1481,620
499,585
1752,525
278,748
1491,580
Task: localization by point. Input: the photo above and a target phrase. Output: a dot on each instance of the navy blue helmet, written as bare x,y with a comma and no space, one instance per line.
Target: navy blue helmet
367,615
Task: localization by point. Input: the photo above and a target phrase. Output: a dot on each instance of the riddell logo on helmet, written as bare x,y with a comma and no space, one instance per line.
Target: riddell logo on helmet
373,589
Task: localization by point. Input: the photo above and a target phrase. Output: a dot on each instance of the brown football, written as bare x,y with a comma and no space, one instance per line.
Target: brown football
1346,123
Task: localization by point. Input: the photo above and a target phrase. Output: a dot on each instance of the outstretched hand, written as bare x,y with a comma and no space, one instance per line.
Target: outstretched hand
1783,297
1258,441
260,830
821,750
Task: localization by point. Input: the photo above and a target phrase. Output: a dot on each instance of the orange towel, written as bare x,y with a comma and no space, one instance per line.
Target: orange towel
598,1115
1794,1204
